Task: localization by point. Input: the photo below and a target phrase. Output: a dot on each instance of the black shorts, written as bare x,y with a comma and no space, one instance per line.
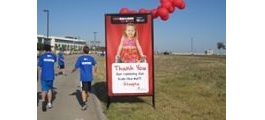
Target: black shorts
61,66
86,86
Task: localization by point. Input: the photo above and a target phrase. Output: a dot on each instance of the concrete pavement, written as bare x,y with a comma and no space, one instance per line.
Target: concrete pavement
67,97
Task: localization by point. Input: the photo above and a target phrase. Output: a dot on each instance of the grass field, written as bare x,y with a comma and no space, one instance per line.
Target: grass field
186,88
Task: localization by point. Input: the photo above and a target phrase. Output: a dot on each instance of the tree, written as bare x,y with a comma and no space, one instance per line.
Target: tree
221,45
40,46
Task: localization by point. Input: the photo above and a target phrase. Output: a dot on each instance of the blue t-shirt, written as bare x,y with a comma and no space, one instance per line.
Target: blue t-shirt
60,59
46,62
85,64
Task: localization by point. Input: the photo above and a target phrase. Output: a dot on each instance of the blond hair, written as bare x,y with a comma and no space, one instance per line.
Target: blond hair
135,29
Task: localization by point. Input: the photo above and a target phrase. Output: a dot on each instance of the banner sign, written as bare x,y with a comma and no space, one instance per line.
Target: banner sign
130,78
129,54
118,19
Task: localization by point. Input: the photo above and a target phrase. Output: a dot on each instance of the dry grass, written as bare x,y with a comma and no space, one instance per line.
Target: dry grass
186,88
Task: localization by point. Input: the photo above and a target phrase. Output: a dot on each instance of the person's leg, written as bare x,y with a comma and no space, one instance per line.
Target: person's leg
43,90
43,94
49,95
49,105
85,91
43,101
62,70
59,70
85,86
84,96
88,89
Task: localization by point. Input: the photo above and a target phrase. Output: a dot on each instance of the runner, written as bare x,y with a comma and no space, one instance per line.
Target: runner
85,64
46,67
61,63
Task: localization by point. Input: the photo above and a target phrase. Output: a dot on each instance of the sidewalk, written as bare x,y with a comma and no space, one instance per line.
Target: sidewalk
66,105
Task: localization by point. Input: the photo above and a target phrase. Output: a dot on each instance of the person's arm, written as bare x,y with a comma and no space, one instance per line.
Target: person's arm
38,72
143,57
117,57
95,71
75,66
120,46
73,70
62,59
139,48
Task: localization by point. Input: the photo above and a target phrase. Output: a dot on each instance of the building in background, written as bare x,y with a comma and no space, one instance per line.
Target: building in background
68,44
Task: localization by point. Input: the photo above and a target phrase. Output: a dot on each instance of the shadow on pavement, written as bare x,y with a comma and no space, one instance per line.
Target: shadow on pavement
38,97
100,90
78,96
54,95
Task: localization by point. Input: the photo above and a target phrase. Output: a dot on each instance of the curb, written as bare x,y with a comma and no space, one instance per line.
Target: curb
99,110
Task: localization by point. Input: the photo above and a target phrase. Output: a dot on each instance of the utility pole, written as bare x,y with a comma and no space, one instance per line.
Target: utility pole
191,45
47,42
95,37
47,11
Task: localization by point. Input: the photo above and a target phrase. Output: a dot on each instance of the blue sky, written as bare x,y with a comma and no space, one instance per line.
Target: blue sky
204,21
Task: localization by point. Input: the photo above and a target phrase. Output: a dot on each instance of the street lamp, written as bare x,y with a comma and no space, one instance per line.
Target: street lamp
47,11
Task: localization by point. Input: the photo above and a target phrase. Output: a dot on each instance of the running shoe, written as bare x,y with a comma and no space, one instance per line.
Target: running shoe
84,107
49,105
44,109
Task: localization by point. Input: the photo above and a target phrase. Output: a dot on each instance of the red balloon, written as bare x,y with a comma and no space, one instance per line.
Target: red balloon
162,1
164,17
182,6
171,9
133,11
162,11
176,2
124,10
167,5
179,4
154,13
143,10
